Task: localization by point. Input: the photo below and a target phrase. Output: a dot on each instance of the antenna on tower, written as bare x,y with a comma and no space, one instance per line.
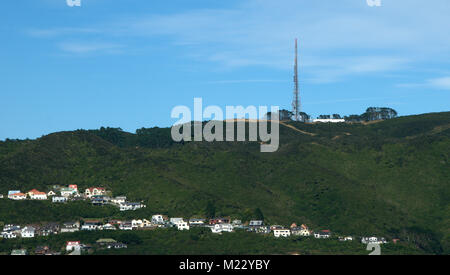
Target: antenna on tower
296,102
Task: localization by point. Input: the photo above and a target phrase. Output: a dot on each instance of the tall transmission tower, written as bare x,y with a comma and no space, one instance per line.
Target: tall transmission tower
296,102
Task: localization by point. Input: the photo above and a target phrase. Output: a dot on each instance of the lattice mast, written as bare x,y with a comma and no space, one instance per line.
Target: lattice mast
296,102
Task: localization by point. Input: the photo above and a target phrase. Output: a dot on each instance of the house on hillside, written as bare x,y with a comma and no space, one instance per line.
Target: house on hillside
73,245
219,221
74,187
68,192
159,219
179,223
127,225
131,206
16,195
323,234
116,246
254,225
302,231
222,227
94,191
108,226
18,252
196,222
90,225
281,232
51,193
37,195
119,200
28,232
1,196
51,228
59,199
70,227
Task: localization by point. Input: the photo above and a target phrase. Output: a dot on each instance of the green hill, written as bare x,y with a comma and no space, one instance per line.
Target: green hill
390,178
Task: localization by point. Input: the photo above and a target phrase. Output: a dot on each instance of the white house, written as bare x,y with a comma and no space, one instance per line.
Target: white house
36,195
16,195
59,199
126,226
281,233
95,191
137,223
68,192
180,223
330,120
1,196
131,206
9,235
28,232
73,245
222,227
197,222
70,227
119,200
175,220
90,226
324,234
158,219
108,226
51,193
373,240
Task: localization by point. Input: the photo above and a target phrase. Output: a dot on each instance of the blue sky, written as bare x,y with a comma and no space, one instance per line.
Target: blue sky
127,63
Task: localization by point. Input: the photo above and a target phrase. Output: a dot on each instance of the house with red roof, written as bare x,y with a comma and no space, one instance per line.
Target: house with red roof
37,195
95,191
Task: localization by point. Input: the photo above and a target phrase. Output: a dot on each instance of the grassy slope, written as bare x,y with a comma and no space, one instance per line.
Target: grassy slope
390,178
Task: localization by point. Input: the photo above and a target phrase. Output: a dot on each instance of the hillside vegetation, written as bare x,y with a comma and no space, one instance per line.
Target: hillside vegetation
390,178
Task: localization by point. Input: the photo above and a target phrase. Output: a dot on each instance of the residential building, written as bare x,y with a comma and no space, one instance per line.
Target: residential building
94,191
68,192
28,232
323,234
18,252
196,222
59,199
131,206
222,227
281,233
49,229
254,225
118,200
90,225
70,227
18,196
116,246
126,225
108,226
73,245
158,219
51,193
219,221
37,195
9,235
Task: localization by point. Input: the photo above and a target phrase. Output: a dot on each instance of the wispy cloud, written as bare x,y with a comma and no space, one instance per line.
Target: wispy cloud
338,39
88,48
440,83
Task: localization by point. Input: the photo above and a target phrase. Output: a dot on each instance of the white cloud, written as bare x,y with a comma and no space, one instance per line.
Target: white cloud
440,83
86,48
337,38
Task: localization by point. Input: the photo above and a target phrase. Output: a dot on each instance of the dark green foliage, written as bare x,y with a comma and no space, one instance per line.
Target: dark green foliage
389,178
258,215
